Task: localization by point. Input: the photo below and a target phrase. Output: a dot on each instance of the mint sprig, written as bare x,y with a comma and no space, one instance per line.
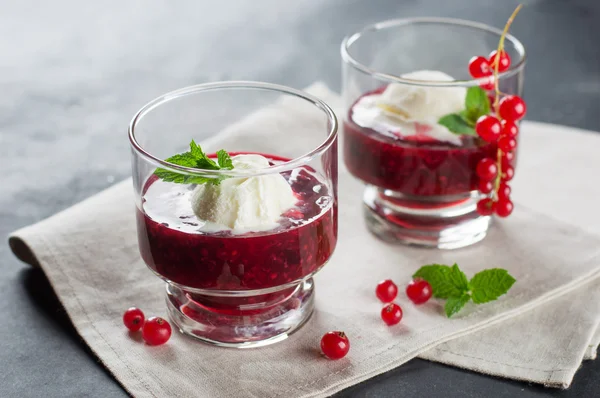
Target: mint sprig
477,104
197,159
450,283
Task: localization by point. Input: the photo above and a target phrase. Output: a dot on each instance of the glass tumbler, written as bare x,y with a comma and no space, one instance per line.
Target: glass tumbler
421,183
236,287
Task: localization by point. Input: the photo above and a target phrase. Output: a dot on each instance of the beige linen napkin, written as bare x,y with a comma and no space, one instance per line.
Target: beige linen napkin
89,253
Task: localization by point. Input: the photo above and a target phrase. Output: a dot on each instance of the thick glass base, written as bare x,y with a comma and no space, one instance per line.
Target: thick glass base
439,222
241,319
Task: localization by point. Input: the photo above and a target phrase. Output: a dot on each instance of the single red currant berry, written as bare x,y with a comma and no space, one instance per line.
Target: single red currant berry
133,319
508,173
486,207
504,61
488,83
486,186
479,67
488,128
391,314
386,291
419,291
492,100
335,345
504,191
507,159
504,208
156,331
509,128
507,144
512,107
487,169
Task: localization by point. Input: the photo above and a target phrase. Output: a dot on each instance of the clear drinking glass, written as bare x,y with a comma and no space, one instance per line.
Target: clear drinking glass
236,288
419,190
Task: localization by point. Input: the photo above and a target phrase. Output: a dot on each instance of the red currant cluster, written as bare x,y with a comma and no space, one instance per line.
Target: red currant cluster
418,291
155,330
494,174
335,345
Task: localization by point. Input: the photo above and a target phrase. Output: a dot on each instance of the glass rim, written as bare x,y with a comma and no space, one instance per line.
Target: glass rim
391,23
241,84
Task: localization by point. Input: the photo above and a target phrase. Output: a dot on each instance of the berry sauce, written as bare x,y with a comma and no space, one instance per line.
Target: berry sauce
174,243
411,167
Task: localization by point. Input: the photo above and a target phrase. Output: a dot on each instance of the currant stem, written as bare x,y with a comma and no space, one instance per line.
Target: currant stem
498,93
499,52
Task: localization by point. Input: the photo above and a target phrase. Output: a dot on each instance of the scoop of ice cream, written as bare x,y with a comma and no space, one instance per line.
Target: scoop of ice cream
412,110
247,203
422,103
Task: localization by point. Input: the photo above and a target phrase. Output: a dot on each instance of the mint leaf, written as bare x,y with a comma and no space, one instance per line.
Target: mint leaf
455,304
202,161
170,176
451,283
457,124
196,158
477,103
490,284
445,281
224,160
183,159
467,118
458,278
195,150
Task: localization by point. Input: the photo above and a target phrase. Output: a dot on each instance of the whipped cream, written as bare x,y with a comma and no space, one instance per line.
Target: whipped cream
404,110
246,203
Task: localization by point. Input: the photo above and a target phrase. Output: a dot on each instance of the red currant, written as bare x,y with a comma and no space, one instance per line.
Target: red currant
133,319
504,61
486,207
509,128
419,291
479,67
512,107
508,173
487,169
486,186
507,144
386,291
507,159
488,128
391,314
504,191
156,331
335,345
492,99
504,208
488,84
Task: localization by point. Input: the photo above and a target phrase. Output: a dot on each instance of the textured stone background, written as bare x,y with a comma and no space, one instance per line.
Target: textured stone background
74,72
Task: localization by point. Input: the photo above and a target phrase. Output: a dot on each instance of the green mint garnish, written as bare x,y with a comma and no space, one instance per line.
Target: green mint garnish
457,124
196,158
451,284
477,104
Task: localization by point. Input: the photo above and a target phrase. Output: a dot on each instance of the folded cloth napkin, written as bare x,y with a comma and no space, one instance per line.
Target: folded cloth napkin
89,253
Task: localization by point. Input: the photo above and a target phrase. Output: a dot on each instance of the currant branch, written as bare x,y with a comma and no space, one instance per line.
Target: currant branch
498,127
496,68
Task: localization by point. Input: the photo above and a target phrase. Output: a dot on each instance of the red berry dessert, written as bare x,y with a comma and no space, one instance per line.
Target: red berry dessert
196,253
393,140
427,144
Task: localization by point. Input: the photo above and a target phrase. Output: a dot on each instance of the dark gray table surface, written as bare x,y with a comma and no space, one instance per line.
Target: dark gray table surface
74,72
